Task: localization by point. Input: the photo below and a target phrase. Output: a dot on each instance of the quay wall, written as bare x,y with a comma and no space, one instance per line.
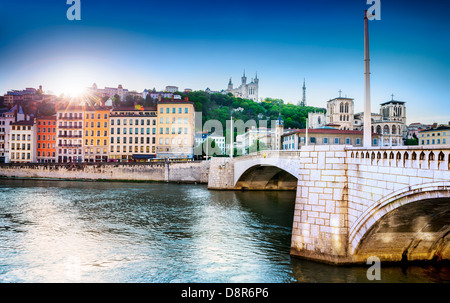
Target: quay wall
182,172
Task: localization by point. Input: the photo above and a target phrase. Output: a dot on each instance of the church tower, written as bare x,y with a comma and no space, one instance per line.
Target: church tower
230,85
244,79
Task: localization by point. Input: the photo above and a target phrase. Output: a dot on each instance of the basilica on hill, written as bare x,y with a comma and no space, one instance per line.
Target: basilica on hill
245,90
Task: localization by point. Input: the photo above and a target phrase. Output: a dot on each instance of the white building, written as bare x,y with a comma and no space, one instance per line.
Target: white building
132,134
7,118
23,141
69,133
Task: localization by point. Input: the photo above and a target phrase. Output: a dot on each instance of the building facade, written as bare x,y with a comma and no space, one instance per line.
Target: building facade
46,139
175,129
96,134
132,134
435,137
7,118
69,133
23,141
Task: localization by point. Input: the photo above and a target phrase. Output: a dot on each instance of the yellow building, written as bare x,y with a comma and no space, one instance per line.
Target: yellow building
175,129
435,137
96,134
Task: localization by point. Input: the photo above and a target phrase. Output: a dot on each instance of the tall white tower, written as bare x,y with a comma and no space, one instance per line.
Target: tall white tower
367,135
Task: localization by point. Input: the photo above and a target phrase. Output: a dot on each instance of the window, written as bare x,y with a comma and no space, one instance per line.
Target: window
375,142
336,140
186,110
179,110
325,140
312,140
161,111
348,141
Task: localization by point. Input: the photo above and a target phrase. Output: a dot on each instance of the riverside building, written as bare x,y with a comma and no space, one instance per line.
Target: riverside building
96,134
69,133
132,134
46,139
175,129
23,141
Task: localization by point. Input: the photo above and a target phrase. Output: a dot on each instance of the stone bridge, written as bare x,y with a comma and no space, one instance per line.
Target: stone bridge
352,203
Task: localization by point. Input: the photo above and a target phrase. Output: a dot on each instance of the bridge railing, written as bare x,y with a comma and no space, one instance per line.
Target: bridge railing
271,154
435,158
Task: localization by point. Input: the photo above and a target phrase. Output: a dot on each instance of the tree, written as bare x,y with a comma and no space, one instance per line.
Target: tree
256,147
116,100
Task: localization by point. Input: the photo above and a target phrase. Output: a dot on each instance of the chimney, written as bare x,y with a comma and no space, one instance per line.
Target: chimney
172,97
159,97
435,125
186,98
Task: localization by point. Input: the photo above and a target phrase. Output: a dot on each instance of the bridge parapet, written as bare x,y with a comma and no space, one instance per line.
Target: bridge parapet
434,158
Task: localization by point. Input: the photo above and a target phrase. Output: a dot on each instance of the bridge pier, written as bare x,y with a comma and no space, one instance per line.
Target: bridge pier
320,229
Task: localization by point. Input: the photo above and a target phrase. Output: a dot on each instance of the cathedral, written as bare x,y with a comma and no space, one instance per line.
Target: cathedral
245,90
390,122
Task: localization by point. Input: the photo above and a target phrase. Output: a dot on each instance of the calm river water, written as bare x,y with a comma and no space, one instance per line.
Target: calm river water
62,231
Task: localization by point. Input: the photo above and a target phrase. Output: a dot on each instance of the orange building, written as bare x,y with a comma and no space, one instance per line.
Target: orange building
46,139
96,134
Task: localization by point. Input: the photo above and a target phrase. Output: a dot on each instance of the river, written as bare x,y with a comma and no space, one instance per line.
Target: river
69,231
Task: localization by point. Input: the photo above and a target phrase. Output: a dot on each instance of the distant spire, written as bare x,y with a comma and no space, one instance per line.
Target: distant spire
303,102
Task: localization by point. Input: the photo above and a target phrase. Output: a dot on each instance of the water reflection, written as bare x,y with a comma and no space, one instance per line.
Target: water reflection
134,232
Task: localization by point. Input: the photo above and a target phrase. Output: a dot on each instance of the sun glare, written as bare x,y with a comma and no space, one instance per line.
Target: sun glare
73,90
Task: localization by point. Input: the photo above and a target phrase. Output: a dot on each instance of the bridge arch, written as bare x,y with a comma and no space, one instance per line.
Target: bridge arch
266,173
368,219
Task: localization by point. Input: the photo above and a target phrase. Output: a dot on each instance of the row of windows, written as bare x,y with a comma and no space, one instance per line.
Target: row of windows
49,154
105,142
105,124
105,116
180,130
28,146
130,140
69,151
18,156
71,115
136,149
434,141
21,127
130,131
45,123
174,141
24,137
174,110
174,119
136,121
48,130
434,134
49,137
44,145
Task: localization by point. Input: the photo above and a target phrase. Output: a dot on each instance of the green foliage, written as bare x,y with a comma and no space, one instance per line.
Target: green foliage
219,107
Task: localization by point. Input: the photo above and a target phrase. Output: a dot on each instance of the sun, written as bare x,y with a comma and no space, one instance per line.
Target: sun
73,89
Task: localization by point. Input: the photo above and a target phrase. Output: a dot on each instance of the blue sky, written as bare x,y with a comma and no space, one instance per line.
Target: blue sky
200,44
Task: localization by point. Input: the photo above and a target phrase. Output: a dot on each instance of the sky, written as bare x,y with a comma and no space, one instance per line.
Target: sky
201,44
